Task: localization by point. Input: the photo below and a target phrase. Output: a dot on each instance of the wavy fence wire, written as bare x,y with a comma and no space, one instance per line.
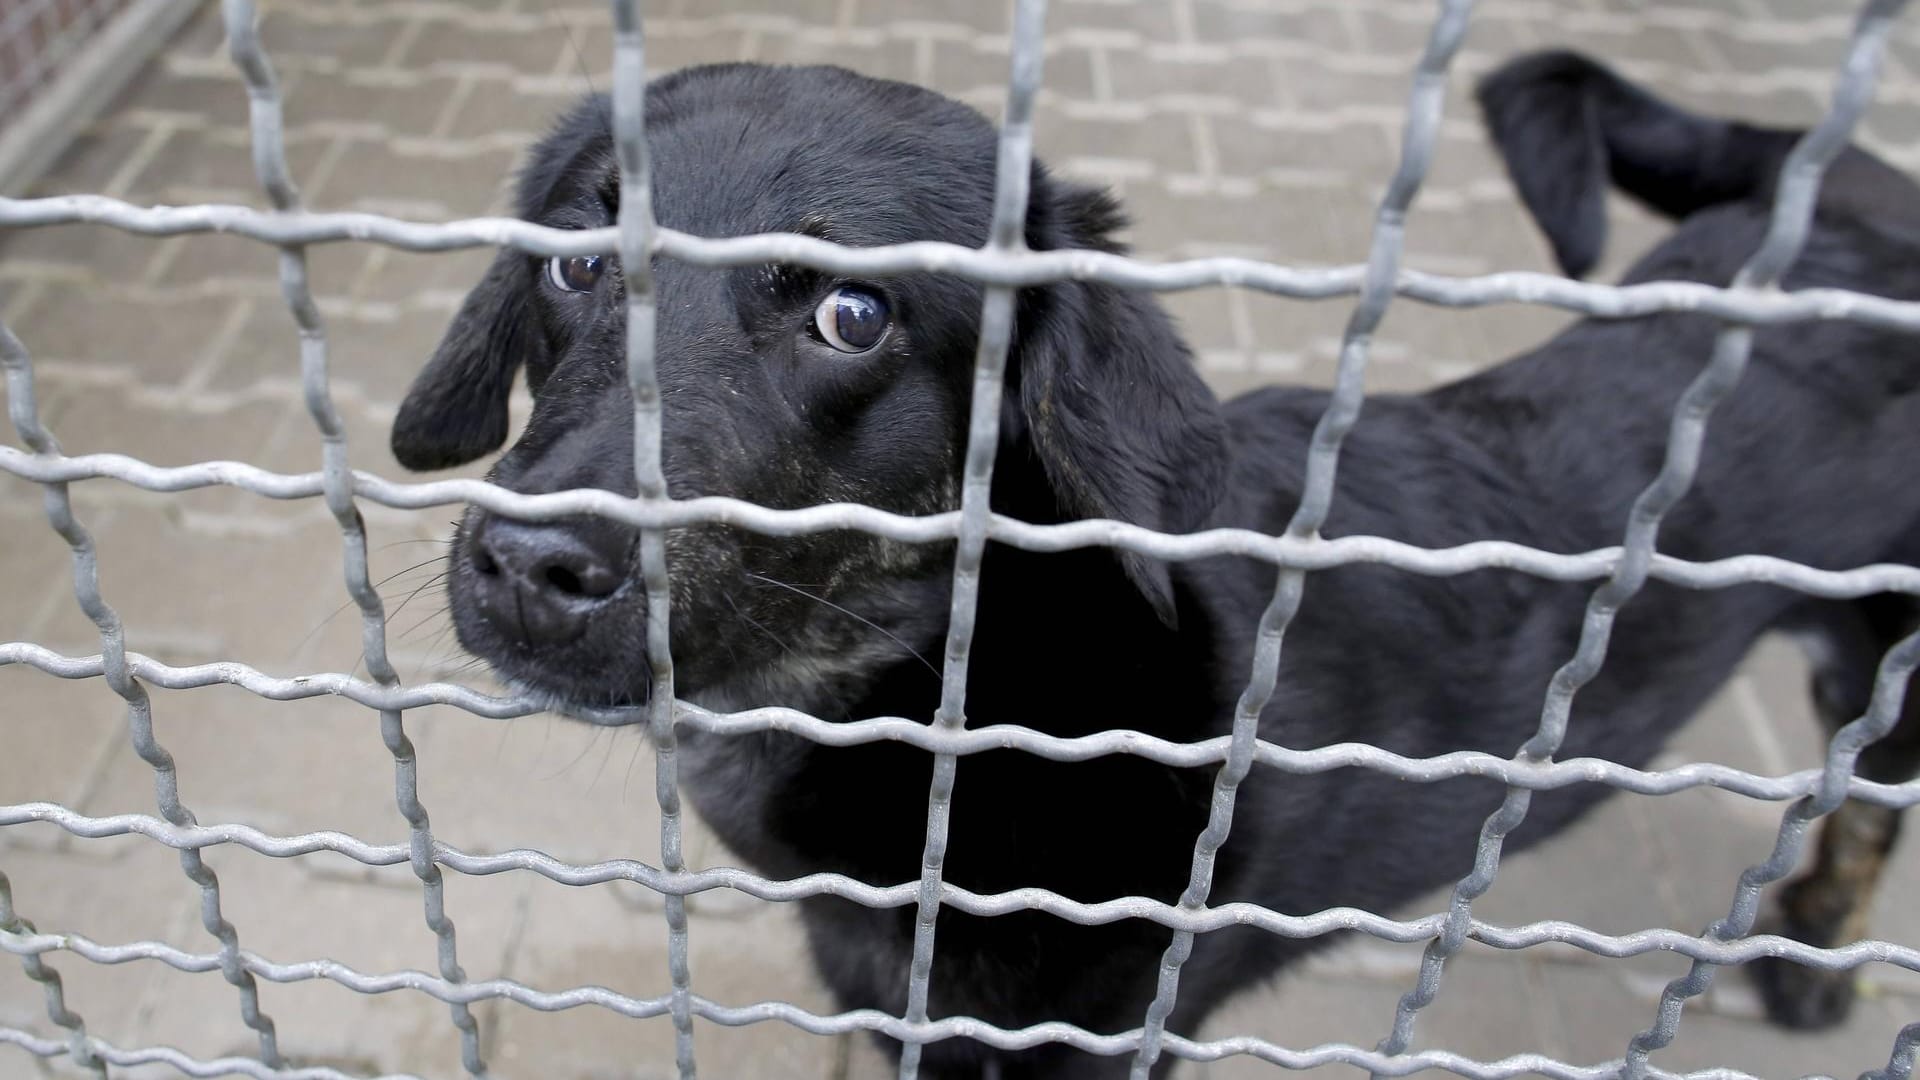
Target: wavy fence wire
1002,265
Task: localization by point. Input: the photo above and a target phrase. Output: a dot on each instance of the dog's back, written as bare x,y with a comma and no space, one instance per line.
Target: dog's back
1827,409
1560,440
1810,458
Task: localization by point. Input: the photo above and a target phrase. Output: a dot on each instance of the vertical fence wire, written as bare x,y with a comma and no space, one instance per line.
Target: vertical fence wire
1013,173
1799,191
270,165
24,411
1889,693
1906,1047
1422,126
636,226
51,988
1786,234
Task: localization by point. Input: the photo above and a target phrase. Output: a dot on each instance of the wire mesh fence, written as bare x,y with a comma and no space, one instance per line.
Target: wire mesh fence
1003,265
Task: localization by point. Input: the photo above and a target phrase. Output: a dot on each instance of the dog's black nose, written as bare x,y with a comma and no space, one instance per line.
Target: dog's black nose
541,582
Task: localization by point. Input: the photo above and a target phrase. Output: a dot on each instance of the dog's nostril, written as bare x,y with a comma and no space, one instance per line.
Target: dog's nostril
559,562
586,575
564,580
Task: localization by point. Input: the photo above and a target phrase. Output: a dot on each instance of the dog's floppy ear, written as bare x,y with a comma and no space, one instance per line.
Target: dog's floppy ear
456,409
1108,397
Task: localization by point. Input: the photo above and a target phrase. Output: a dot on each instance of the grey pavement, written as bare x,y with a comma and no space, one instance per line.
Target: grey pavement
1256,127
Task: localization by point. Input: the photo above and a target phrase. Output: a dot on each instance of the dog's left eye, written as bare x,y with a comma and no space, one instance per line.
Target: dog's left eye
851,319
576,274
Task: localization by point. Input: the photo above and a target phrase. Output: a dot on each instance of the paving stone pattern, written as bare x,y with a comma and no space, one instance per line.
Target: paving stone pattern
1254,127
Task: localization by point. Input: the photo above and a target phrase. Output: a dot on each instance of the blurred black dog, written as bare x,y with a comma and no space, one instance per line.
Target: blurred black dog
789,387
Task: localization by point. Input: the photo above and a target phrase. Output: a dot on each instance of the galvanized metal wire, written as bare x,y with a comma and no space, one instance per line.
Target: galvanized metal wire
1007,234
684,883
1316,497
1002,265
1786,235
22,409
32,946
636,226
1906,1047
78,1048
984,265
270,165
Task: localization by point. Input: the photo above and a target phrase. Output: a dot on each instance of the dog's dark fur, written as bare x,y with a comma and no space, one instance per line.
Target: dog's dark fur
1812,459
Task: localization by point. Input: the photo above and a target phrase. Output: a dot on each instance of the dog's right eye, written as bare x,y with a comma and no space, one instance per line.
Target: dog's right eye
576,274
851,319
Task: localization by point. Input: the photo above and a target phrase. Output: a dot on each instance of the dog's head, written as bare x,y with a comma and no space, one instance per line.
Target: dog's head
788,387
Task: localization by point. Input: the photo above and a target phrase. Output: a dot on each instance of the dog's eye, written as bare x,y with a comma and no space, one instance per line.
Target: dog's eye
576,274
851,319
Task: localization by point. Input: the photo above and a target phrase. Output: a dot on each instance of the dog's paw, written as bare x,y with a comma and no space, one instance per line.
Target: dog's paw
1798,997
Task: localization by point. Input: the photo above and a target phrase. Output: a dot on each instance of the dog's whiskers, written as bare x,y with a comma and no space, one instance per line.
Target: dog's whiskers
757,625
592,741
402,572
402,606
857,617
845,712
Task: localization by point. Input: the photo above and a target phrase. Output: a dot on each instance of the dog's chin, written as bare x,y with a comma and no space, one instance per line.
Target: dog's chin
580,681
607,700
601,709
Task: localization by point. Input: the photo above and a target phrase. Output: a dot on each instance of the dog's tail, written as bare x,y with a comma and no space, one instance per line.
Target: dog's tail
1566,125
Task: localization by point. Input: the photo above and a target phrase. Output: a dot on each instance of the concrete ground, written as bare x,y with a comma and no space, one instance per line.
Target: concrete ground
1255,127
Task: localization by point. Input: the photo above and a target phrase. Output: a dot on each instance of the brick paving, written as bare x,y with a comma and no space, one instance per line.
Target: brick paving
1255,127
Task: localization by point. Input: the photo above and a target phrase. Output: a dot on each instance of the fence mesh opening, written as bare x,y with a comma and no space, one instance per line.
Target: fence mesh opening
672,888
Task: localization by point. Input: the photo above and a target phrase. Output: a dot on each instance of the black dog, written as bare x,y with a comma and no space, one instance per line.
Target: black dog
789,387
